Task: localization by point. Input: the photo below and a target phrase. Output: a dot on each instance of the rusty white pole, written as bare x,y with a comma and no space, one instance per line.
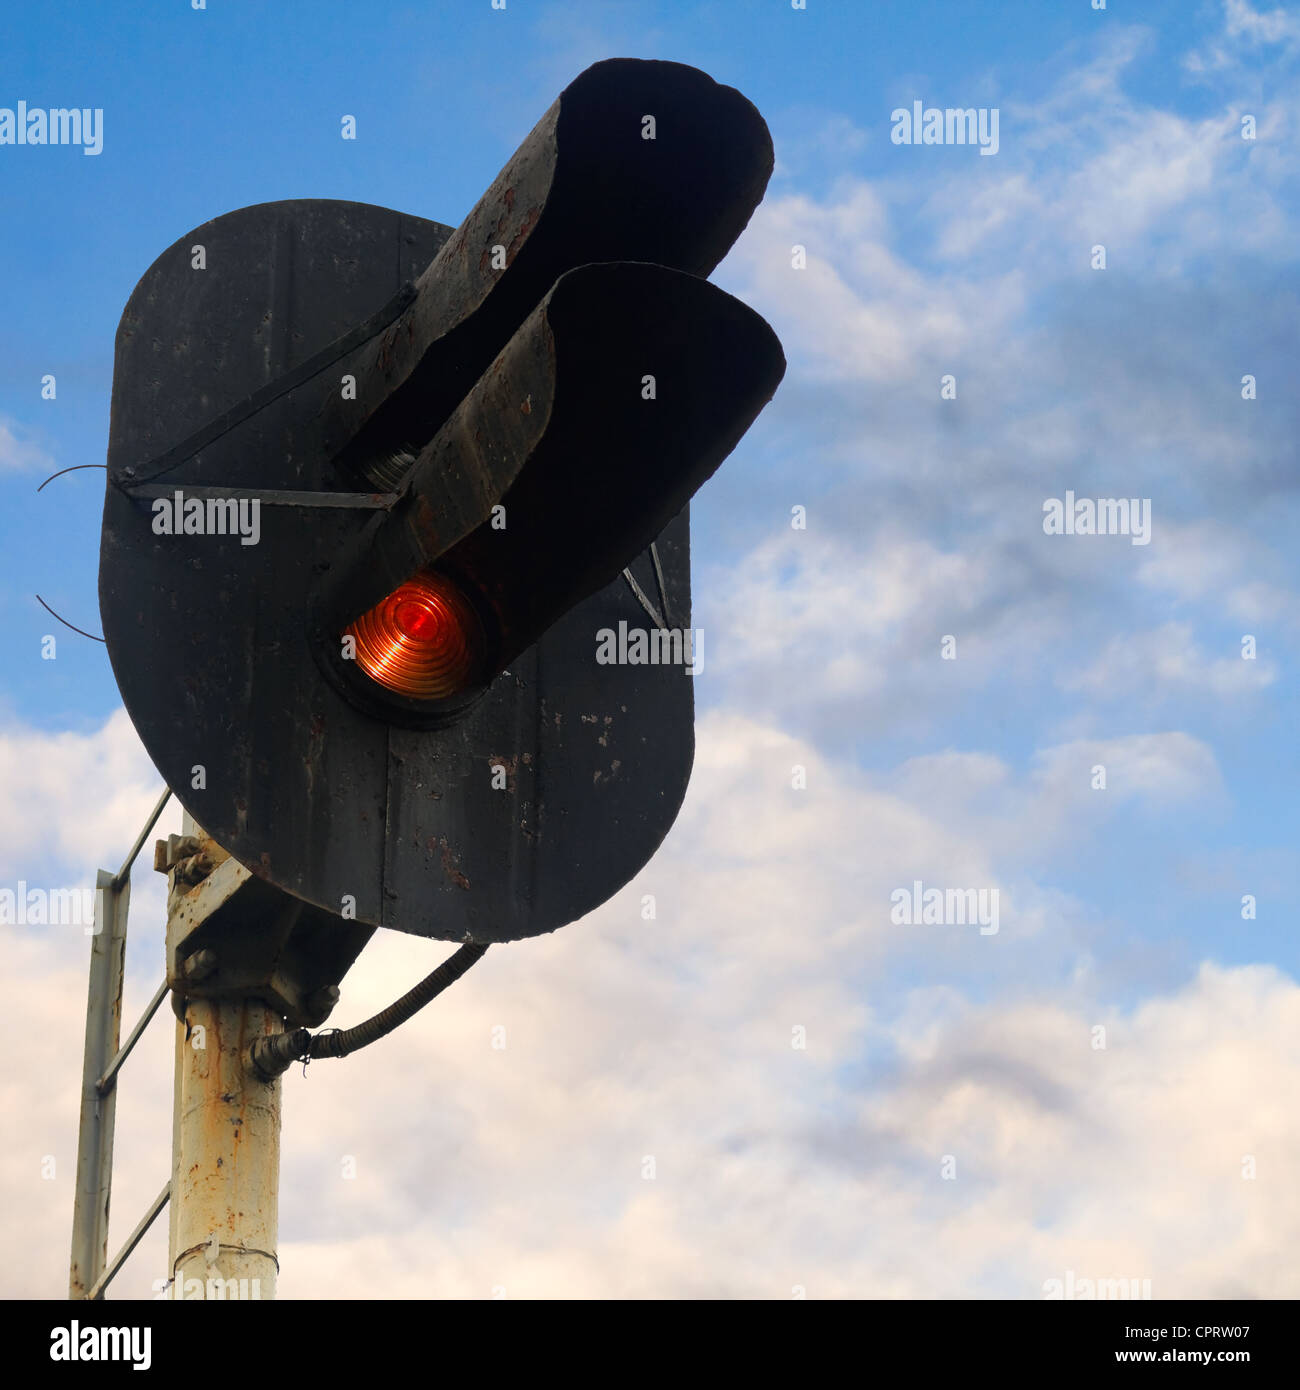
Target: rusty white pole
225,1152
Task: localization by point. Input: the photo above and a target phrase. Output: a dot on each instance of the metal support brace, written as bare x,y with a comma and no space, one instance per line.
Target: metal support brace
134,1239
98,1108
101,1062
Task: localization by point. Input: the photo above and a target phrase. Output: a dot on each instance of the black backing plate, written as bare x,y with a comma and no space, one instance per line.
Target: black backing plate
208,637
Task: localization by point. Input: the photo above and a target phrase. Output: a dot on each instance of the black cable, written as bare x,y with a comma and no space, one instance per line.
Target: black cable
274,1055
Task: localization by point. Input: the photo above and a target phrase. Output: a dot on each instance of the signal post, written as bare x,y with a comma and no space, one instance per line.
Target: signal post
225,1156
233,953
224,1211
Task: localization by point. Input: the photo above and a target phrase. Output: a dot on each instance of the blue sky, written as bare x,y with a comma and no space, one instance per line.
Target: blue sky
1120,127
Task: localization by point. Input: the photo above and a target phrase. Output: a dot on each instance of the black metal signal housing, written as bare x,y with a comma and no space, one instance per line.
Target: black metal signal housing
387,702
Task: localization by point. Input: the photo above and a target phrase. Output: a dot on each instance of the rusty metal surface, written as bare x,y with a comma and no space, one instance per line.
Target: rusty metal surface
226,1156
232,936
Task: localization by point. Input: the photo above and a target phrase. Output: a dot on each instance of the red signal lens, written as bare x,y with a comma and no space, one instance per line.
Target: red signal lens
424,640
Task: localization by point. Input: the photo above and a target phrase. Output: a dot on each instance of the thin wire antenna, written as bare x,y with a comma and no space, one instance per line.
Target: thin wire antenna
73,469
64,621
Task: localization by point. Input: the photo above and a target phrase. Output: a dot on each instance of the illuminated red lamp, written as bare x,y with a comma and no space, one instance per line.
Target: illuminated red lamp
423,641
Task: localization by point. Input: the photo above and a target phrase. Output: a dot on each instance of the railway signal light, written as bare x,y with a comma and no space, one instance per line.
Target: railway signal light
424,640
473,451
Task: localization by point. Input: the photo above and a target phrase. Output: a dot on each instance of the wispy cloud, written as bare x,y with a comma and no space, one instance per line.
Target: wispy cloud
18,453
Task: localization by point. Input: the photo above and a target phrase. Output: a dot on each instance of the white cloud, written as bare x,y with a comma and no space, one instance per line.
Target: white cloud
811,137
1215,563
1245,31
859,311
19,453
1260,26
1090,164
1163,768
1045,814
1122,1162
819,630
1167,661
72,799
